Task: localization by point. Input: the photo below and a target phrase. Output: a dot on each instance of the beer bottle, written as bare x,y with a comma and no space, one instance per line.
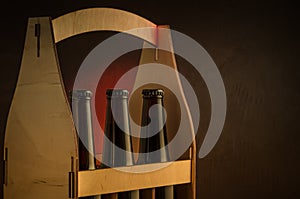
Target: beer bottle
153,138
81,110
117,147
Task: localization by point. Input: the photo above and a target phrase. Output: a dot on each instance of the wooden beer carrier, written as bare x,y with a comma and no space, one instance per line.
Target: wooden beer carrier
40,150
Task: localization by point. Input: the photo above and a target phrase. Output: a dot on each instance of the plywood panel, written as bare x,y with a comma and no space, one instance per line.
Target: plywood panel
149,71
97,19
104,181
40,136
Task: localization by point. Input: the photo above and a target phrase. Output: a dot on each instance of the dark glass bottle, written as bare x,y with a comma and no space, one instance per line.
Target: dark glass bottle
117,147
153,141
153,132
81,110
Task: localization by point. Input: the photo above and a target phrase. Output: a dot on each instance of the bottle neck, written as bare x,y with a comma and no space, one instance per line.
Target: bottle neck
81,110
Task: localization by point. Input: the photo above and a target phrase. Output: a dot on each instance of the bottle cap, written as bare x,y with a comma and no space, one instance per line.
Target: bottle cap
117,92
81,94
153,93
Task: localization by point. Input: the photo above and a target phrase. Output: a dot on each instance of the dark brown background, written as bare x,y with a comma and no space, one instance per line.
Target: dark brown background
255,45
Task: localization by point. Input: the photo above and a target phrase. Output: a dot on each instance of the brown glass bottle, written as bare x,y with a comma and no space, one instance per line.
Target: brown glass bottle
81,110
117,146
153,141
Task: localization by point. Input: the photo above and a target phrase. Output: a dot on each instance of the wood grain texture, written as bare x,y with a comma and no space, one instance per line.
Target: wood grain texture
255,46
40,135
179,120
99,19
111,180
41,121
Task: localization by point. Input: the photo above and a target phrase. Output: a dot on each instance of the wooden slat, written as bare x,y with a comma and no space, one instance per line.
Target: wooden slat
110,180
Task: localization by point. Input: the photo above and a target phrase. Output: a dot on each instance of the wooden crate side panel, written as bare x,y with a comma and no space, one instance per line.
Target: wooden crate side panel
40,135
